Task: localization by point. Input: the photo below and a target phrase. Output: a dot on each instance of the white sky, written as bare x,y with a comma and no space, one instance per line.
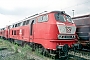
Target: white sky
15,10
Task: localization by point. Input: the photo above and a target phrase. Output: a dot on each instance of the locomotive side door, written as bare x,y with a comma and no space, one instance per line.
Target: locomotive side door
9,31
31,30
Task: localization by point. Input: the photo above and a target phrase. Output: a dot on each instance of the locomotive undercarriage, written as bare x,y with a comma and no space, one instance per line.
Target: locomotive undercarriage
61,52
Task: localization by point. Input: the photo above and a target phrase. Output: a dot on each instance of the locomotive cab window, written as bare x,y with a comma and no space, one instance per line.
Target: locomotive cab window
60,17
43,18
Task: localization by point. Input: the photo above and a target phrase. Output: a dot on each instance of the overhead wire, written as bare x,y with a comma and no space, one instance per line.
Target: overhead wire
77,4
83,11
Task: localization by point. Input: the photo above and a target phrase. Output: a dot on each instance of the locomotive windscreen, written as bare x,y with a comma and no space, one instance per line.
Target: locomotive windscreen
59,17
63,17
69,19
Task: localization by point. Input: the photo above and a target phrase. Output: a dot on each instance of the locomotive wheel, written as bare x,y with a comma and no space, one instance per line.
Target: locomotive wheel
73,48
62,52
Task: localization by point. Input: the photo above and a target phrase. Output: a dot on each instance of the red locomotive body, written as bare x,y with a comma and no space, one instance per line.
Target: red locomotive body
52,31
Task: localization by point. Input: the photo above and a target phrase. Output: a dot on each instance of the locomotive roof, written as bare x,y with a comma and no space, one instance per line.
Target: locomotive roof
45,12
35,15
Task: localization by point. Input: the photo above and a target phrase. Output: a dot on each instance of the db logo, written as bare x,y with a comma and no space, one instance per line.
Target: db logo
68,29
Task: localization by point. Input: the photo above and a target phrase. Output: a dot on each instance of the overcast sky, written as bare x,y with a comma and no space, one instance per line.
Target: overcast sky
15,10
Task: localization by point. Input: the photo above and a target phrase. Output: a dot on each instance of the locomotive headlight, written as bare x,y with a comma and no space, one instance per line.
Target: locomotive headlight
73,36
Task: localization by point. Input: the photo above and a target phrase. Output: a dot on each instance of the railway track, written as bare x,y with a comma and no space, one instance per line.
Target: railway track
80,54
73,55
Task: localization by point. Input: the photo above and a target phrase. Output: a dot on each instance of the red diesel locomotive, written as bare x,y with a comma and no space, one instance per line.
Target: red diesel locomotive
50,32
